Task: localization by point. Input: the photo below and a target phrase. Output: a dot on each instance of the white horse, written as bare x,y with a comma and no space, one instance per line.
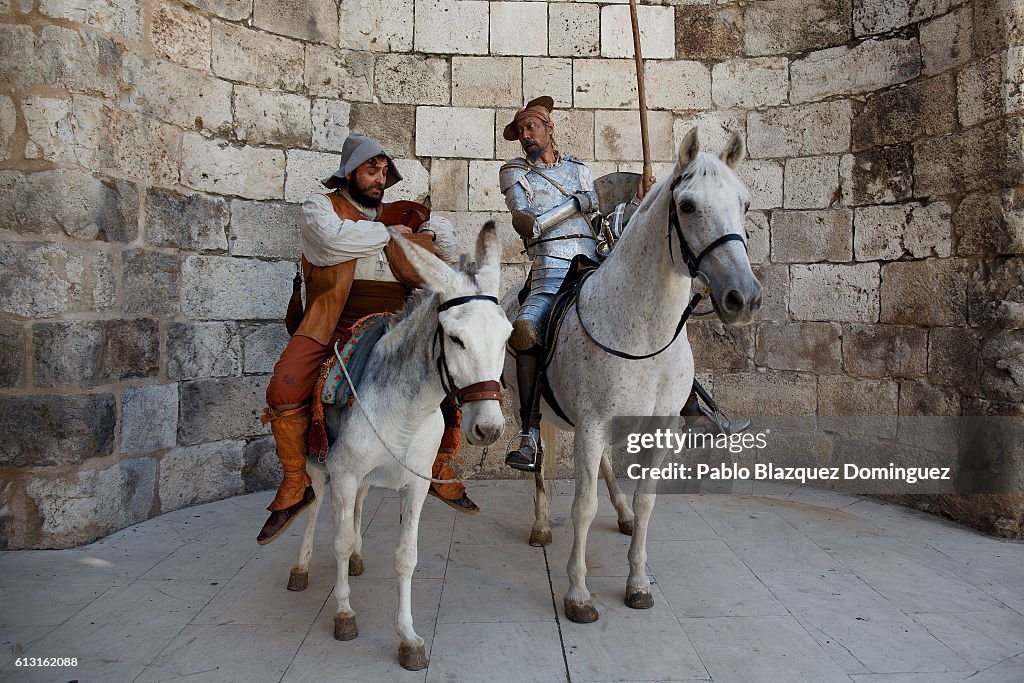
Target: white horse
449,341
691,222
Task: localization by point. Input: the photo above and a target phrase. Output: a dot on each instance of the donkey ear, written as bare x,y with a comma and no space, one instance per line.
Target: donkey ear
690,148
435,273
488,258
732,155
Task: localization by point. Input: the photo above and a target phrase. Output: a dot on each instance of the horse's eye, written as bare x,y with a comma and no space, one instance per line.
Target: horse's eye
687,206
457,341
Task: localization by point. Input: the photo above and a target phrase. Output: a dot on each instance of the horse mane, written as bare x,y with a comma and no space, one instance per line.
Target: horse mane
706,168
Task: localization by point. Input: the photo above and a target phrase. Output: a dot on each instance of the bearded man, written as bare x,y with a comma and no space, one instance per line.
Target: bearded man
347,277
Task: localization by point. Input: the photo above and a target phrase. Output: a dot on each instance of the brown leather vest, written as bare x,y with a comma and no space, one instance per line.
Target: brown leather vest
328,288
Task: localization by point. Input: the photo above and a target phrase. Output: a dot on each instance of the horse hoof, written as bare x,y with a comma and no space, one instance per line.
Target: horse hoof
355,566
626,527
412,657
540,538
298,580
581,612
640,600
345,627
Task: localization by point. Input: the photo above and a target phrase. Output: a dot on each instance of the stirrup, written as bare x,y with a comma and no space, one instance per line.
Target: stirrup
721,423
528,457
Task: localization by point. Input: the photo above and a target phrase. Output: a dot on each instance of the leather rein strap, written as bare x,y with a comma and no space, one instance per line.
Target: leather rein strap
488,390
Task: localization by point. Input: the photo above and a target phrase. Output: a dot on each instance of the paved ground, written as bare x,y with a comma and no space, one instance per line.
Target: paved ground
798,586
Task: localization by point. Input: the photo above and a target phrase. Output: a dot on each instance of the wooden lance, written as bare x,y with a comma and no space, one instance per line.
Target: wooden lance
638,57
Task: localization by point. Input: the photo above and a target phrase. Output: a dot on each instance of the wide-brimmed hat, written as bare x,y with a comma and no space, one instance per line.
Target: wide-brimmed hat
539,106
356,150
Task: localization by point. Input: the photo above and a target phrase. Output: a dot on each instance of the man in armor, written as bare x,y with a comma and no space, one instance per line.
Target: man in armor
552,199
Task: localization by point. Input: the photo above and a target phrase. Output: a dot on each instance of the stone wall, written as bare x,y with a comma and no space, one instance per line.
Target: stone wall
153,152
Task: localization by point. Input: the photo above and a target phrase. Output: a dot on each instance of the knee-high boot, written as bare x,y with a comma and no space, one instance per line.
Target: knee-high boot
291,431
527,457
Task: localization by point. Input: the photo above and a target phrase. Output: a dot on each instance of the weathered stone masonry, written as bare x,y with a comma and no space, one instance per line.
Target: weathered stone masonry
152,154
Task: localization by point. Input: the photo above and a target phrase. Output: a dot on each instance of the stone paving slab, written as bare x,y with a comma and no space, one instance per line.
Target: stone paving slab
786,584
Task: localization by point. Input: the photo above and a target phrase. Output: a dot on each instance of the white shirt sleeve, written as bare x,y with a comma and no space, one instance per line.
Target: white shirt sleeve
327,240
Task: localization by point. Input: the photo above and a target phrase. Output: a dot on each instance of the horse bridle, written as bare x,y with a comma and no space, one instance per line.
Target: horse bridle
488,390
692,263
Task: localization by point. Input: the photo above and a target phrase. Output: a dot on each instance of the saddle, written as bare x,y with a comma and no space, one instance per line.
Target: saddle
331,386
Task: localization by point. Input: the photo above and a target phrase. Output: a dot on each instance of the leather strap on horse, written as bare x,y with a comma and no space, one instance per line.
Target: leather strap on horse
488,390
692,262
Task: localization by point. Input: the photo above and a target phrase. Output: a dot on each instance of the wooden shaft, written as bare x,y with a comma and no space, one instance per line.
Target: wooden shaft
638,57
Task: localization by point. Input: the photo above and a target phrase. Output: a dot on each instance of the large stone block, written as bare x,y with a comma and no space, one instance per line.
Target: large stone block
412,79
272,118
262,345
225,288
257,57
604,84
487,81
979,90
467,227
313,21
995,296
12,354
887,233
974,159
390,124
720,347
751,83
200,350
922,109
305,170
8,121
519,28
840,397
1002,366
757,394
810,347
842,293
452,26
176,94
484,191
415,185
262,469
932,292
882,16
341,74
812,183
149,418
574,132
885,351
265,229
186,221
657,32
330,124
222,408
223,168
124,17
552,77
617,135
810,236
917,400
149,283
990,223
883,175
69,202
800,131
201,474
764,181
50,124
81,506
866,67
946,41
756,226
574,29
706,32
449,185
67,353
235,10
377,25
79,62
181,35
56,429
454,132
41,280
774,280
953,358
787,26
677,84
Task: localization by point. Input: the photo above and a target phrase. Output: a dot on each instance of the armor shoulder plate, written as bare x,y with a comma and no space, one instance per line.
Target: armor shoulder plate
511,172
570,158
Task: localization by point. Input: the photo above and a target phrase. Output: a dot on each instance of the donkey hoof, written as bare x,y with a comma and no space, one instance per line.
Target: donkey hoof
345,627
412,657
626,527
355,566
298,580
540,538
581,612
640,600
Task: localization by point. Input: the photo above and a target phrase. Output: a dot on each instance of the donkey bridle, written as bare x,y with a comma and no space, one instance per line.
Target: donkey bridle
692,263
488,390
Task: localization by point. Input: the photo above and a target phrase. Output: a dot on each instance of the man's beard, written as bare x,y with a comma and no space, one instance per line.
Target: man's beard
534,151
361,197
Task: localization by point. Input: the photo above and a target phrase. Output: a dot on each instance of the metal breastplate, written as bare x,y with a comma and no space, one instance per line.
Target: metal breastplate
546,195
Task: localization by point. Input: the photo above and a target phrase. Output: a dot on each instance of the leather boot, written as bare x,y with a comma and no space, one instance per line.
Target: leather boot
698,418
295,494
453,494
529,455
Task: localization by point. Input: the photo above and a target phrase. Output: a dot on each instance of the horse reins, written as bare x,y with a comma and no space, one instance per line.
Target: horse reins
692,263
